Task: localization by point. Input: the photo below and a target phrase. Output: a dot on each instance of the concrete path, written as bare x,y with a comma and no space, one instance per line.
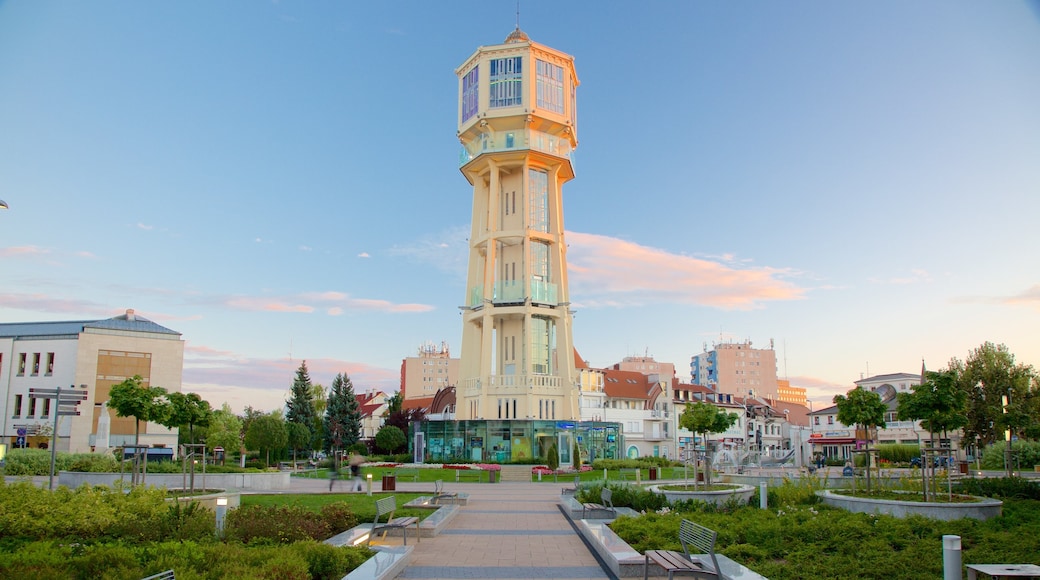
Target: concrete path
506,530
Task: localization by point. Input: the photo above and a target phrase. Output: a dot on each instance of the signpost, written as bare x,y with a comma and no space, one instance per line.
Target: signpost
65,405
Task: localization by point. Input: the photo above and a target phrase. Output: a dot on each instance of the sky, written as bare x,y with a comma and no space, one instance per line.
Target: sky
278,181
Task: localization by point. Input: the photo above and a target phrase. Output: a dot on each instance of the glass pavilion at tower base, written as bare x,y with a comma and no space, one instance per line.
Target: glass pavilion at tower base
521,441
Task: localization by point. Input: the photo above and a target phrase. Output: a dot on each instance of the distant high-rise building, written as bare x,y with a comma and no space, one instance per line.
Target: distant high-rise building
788,394
431,370
518,127
737,369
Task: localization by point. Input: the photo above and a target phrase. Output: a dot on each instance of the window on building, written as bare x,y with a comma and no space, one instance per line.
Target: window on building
816,420
538,200
46,409
830,419
539,262
17,406
36,363
506,83
21,363
543,342
549,86
32,407
470,93
50,364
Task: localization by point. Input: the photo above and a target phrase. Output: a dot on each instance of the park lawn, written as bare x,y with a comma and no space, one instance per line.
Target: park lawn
363,506
426,474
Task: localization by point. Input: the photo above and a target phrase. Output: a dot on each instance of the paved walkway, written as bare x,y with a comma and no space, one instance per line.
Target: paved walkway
507,530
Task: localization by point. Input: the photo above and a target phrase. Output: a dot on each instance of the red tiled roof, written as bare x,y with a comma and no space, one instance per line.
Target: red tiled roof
625,384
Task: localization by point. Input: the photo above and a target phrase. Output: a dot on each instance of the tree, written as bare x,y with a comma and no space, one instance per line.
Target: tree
300,406
989,377
576,454
342,423
266,433
552,459
865,409
705,418
188,409
939,404
389,439
225,431
131,398
298,437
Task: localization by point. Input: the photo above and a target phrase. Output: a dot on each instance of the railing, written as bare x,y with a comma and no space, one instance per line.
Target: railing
513,292
473,386
515,141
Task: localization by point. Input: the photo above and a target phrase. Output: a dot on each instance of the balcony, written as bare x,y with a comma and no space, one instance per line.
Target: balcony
510,383
506,293
517,141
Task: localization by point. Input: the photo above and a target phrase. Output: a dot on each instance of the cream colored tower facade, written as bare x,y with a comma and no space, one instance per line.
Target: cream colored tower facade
518,128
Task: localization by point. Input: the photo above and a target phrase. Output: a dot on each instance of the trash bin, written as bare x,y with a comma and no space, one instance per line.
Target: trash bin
962,467
389,482
653,474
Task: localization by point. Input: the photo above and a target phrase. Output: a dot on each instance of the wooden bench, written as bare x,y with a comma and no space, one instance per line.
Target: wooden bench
386,507
577,484
632,474
469,475
167,575
702,563
439,492
403,472
604,505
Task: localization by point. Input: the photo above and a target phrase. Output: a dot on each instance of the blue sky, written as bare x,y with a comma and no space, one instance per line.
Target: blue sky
279,181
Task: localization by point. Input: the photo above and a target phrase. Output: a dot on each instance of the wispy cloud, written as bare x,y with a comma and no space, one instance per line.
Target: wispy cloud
364,255
17,251
259,304
54,305
145,227
334,303
446,250
220,375
305,248
820,391
607,271
1029,297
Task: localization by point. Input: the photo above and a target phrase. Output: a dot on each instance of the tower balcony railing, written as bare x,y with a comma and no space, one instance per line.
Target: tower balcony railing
517,141
512,292
504,382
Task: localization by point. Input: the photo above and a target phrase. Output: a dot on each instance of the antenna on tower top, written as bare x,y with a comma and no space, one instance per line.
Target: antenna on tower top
518,14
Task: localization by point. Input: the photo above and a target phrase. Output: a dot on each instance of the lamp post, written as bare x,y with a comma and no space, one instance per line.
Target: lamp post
221,514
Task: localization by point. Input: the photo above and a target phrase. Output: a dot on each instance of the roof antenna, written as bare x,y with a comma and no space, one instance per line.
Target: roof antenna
518,14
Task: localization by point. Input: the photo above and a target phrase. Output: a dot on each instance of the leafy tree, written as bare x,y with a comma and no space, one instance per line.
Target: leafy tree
188,409
321,402
394,404
298,437
989,375
248,416
342,424
576,454
938,403
300,406
705,418
389,439
225,430
131,398
865,409
266,433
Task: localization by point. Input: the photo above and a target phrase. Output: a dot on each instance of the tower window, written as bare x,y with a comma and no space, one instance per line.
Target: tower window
549,86
538,200
470,90
506,83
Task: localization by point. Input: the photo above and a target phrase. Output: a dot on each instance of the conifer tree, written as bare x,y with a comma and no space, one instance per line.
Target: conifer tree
342,415
300,406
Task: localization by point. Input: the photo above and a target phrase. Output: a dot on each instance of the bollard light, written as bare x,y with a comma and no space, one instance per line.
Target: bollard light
763,496
369,476
221,513
951,557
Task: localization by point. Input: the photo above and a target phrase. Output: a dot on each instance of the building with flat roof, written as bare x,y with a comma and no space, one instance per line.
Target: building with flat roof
431,370
87,356
737,368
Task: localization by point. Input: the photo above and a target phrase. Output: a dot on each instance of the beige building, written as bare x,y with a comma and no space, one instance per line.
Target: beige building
87,356
737,369
430,371
518,127
788,394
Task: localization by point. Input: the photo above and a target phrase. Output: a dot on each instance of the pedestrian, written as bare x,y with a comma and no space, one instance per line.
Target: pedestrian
355,462
333,474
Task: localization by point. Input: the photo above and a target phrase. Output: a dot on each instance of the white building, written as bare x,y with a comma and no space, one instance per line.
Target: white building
87,356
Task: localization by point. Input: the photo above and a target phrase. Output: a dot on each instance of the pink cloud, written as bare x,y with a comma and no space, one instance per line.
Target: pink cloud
820,391
266,305
1029,297
44,303
607,271
16,251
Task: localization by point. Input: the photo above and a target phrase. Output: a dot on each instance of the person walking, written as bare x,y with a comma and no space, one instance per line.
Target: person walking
333,474
355,462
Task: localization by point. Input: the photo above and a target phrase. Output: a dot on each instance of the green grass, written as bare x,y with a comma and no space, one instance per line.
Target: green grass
429,475
363,506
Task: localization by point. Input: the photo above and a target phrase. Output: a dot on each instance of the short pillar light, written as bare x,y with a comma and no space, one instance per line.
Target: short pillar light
369,476
221,514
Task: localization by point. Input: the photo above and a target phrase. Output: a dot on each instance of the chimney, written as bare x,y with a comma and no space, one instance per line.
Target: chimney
130,315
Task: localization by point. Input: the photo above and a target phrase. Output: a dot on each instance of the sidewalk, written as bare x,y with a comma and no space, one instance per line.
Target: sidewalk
506,530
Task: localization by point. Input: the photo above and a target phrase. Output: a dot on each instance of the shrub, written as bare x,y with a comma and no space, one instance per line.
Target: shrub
390,438
1001,487
94,463
286,524
1026,454
898,452
624,495
359,448
338,516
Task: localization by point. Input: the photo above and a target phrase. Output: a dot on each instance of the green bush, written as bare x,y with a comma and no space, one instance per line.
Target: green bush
1001,487
1026,455
94,463
640,463
898,452
359,448
624,495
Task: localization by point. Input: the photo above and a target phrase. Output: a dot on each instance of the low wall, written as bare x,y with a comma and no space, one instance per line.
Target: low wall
984,509
268,481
